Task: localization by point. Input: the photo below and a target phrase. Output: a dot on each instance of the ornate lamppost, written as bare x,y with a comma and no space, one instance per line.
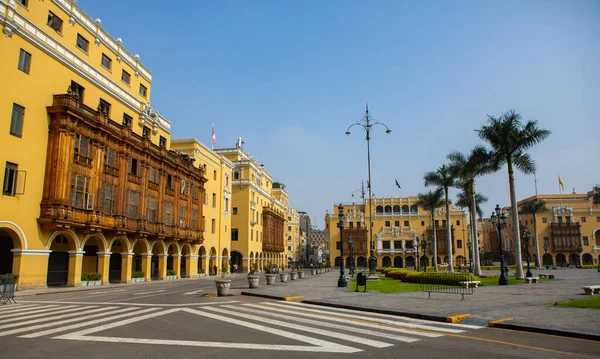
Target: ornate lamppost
367,124
342,282
416,245
470,245
499,220
545,251
351,246
579,250
424,248
526,238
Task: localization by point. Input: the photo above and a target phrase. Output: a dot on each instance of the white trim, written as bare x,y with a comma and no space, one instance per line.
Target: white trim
100,254
127,254
21,232
76,253
192,256
176,255
31,252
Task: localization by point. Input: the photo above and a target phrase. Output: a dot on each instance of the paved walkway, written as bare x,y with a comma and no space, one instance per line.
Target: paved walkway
528,305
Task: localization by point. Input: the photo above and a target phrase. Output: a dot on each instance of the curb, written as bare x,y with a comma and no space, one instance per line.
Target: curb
269,296
548,331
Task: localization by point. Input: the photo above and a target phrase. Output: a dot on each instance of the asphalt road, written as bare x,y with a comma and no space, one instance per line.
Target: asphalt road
185,319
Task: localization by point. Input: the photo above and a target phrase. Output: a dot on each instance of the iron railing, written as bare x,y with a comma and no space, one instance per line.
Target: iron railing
449,283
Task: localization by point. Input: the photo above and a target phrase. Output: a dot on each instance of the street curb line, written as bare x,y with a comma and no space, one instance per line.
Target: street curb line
436,318
493,323
457,318
548,331
276,297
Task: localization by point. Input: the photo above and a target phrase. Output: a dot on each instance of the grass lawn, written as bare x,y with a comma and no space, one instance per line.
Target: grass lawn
390,285
593,302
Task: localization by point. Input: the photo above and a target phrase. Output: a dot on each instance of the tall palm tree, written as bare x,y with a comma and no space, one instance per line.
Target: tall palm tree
534,207
509,140
596,197
430,201
443,180
466,169
463,200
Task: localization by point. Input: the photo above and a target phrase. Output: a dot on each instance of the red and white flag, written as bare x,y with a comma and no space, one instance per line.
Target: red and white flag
213,135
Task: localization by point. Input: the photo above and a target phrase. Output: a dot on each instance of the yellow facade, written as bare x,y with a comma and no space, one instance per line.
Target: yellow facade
397,222
293,236
52,47
216,221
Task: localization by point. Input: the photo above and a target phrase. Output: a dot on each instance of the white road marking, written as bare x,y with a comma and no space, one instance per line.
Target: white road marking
323,324
328,333
384,321
92,322
109,291
137,304
150,292
56,317
150,295
26,310
12,308
41,313
194,292
390,316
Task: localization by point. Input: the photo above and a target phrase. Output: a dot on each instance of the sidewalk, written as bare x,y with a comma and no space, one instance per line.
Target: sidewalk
520,307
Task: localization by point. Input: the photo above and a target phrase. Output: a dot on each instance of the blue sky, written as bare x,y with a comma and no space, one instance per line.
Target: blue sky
290,76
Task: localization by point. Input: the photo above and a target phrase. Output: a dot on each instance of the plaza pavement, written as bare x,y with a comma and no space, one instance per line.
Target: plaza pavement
526,307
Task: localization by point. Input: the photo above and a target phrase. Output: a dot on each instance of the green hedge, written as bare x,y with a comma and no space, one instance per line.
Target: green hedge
138,275
171,272
91,277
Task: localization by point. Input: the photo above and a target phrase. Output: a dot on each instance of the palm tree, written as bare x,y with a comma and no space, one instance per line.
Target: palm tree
466,169
430,201
534,207
596,197
509,140
443,180
463,200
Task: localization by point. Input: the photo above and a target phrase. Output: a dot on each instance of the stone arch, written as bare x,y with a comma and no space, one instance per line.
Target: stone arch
388,209
361,262
410,262
386,262
186,249
405,209
561,259
237,257
16,233
424,262
594,238
460,260
61,268
338,262
398,262
202,260
547,260
573,259
160,246
379,209
9,241
212,261
176,249
587,259
396,209
74,244
414,209
96,236
92,244
128,246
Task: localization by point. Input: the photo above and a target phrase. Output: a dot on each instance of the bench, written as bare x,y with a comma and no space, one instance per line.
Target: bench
591,289
469,284
531,279
543,275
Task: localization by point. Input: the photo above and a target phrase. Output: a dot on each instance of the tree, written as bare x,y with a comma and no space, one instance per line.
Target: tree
430,201
443,180
509,140
534,207
463,199
596,197
466,169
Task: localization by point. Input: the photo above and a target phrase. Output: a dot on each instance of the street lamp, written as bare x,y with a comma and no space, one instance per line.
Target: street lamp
424,248
367,123
499,221
526,238
416,245
545,252
470,245
342,282
351,245
579,250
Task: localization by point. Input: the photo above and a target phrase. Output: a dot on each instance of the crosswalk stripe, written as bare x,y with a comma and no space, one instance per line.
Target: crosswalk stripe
354,322
288,325
26,310
12,308
93,322
63,314
323,324
150,292
35,314
390,316
51,318
372,319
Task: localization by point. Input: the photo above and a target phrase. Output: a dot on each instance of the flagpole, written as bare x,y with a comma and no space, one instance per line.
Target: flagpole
535,181
559,190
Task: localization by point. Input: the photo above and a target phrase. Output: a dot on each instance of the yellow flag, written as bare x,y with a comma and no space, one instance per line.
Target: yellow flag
560,182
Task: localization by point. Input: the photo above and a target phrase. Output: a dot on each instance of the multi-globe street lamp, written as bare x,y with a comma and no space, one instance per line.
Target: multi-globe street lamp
367,124
470,245
499,220
342,282
526,238
424,248
579,250
416,245
351,247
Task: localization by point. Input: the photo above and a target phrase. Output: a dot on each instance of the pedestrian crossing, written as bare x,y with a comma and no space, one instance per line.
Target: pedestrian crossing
315,328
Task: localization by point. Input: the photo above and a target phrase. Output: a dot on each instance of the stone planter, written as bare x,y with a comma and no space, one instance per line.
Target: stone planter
138,280
253,281
293,275
170,277
300,274
283,277
312,271
271,278
223,287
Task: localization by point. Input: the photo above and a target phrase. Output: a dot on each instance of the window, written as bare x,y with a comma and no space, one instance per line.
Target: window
111,158
387,223
77,90
597,219
458,222
396,223
214,200
422,223
133,166
386,244
236,175
127,120
583,219
226,204
215,175
546,242
109,197
289,228
213,226
125,77
146,132
205,198
152,175
182,212
151,210
458,243
251,234
82,43
22,2
10,179
168,214
545,220
169,183
235,211
437,223
143,91
133,203
194,219
16,121
203,224
358,225
397,245
234,234
351,224
54,22
405,223
568,219
106,62
444,223
79,192
83,148
104,108
559,219
586,241
24,61
162,142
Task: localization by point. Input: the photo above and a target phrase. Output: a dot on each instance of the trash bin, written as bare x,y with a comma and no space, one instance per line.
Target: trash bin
361,279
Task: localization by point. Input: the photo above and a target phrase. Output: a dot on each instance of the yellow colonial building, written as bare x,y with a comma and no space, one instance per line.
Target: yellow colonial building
90,184
293,236
397,222
258,212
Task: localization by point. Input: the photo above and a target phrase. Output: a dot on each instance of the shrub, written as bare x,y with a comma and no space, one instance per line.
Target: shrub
138,274
442,278
91,277
269,268
201,270
171,272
